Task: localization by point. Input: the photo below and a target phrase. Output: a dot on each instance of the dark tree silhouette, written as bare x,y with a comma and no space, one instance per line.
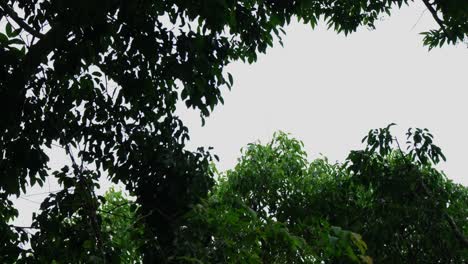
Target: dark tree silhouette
101,79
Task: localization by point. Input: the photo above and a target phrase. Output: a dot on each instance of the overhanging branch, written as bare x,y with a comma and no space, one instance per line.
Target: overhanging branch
12,14
435,16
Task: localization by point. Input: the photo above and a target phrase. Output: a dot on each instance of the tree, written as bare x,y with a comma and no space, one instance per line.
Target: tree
101,80
276,207
64,239
406,210
411,211
257,213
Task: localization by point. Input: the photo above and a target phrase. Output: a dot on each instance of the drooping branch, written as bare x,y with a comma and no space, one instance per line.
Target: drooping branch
13,15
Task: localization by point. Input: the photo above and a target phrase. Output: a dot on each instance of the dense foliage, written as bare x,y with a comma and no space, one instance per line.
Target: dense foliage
276,207
260,213
101,80
382,205
411,212
67,240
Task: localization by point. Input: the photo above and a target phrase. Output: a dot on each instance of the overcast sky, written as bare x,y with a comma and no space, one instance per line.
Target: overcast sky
328,90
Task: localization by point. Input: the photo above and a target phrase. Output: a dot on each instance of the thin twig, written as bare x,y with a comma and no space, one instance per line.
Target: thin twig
419,19
29,200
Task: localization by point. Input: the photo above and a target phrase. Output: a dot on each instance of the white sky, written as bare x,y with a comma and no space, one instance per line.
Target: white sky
329,90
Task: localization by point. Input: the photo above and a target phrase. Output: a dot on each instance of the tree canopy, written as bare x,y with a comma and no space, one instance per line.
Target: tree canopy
101,80
381,205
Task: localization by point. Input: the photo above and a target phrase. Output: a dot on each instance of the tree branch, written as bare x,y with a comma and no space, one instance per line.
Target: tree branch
458,233
435,16
23,227
453,225
12,14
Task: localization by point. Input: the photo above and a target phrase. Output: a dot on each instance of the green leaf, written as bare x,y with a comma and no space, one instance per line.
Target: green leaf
16,42
9,30
3,38
87,244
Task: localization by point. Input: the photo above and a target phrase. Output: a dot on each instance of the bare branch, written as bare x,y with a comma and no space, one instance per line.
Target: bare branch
22,227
